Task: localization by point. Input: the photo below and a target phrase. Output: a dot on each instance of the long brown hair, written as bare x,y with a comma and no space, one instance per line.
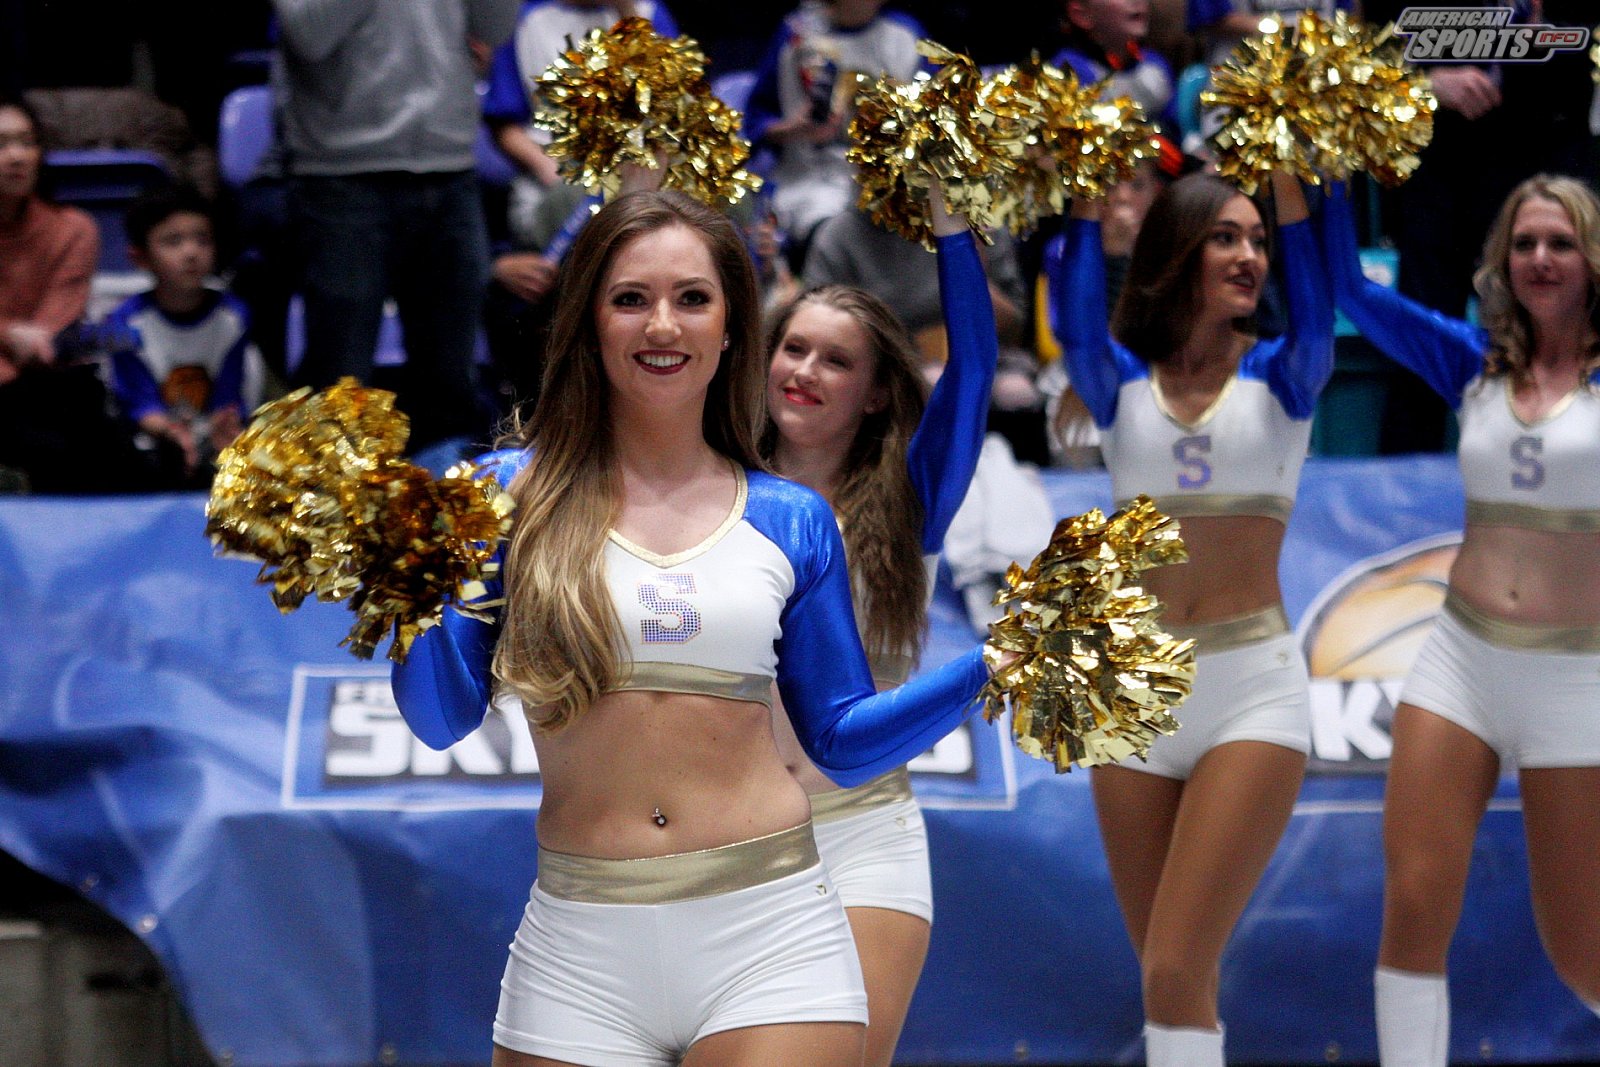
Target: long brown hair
879,512
1161,295
560,645
1509,326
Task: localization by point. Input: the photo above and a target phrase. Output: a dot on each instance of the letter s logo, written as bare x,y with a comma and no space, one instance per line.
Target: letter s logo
682,621
1191,453
1528,472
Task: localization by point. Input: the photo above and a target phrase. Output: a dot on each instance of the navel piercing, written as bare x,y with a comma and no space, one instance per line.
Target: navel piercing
660,819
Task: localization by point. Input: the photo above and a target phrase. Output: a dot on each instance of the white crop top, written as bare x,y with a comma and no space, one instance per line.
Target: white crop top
1543,475
1242,457
702,620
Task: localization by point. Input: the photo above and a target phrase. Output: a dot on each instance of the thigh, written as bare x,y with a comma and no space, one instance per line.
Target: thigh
504,1057
813,1044
1136,812
1233,811
1561,812
343,234
893,946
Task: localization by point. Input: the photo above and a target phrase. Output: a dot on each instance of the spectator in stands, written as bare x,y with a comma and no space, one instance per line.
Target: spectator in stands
183,366
1105,42
55,433
47,252
543,30
1223,23
380,118
799,105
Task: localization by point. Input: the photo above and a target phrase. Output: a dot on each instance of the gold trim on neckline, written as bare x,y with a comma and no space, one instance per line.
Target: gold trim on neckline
736,513
1558,409
1160,396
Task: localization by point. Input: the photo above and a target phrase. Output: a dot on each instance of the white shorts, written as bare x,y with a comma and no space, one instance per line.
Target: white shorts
1534,707
875,845
1253,691
627,984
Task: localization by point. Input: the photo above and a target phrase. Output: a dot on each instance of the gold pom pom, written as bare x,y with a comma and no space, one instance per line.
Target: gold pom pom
1320,96
1094,679
1088,144
315,488
627,93
907,135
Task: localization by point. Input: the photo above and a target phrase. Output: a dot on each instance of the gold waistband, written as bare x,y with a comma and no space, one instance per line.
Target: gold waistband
684,876
655,677
835,804
1223,634
1222,505
1525,637
1526,517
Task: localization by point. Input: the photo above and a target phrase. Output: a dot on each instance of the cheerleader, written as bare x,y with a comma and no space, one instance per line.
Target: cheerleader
656,583
1510,675
846,418
1214,423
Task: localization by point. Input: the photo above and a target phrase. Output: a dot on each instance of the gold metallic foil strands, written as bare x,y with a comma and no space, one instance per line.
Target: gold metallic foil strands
1086,144
1095,679
907,135
1319,96
316,489
626,93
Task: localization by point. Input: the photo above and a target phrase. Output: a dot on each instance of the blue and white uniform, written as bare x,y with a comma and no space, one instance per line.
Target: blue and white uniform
872,838
1241,457
1529,692
748,934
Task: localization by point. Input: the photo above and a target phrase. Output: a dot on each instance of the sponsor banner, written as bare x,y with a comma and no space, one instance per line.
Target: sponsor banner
325,891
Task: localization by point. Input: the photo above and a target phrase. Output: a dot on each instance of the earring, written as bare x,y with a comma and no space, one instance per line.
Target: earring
725,344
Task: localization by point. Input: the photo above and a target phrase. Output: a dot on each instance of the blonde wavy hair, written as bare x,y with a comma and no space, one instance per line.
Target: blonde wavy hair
1509,326
880,514
561,644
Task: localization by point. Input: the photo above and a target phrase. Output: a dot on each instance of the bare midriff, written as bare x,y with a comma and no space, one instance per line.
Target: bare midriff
1531,577
708,765
1232,570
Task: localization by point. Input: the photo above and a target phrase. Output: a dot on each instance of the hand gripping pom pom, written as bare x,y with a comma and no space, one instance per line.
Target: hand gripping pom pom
315,488
1095,678
626,93
1320,96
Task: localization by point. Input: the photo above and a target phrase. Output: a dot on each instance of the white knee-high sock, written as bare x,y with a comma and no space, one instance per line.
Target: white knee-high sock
1182,1046
1413,1018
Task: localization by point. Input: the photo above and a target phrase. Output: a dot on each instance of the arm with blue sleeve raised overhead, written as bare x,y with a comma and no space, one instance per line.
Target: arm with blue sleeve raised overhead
943,454
1078,292
849,730
444,686
1446,353
1304,359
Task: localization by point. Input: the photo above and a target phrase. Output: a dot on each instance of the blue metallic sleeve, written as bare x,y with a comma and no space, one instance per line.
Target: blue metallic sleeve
943,454
1445,352
1303,362
849,730
444,686
1078,293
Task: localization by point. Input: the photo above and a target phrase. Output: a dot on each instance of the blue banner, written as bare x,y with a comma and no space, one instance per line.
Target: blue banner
324,890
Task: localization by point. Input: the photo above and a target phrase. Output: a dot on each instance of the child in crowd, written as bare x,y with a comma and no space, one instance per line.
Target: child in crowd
183,366
1105,42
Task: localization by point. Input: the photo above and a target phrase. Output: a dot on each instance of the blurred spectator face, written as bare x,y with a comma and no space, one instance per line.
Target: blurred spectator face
20,154
1126,205
1550,276
181,252
823,379
1110,23
855,12
1233,264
